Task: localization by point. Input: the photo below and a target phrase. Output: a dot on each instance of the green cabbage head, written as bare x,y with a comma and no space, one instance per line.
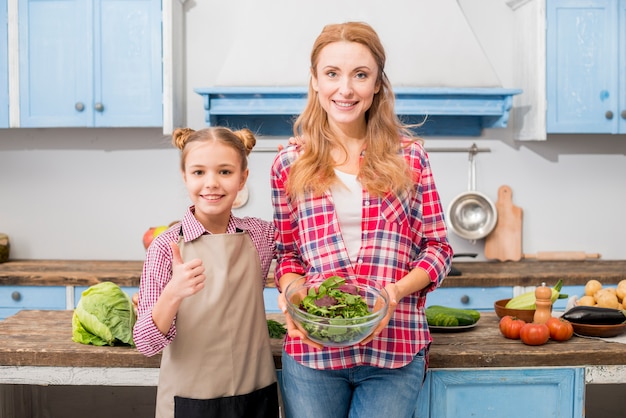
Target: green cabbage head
104,316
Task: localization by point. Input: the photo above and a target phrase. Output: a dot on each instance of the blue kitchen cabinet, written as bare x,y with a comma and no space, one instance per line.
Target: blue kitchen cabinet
4,67
495,393
16,298
481,299
90,63
586,55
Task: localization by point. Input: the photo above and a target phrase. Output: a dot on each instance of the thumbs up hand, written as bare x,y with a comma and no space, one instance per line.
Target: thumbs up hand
187,278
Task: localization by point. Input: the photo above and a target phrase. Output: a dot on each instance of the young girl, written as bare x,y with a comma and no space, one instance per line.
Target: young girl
201,292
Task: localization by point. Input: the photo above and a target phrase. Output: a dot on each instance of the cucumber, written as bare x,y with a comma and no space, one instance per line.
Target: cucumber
441,319
462,316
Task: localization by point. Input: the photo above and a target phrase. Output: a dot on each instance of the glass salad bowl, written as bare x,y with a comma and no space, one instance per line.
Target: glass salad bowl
334,313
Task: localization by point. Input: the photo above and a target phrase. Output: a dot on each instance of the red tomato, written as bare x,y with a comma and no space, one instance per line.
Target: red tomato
510,327
560,329
534,334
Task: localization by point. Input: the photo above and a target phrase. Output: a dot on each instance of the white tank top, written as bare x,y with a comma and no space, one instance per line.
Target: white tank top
348,199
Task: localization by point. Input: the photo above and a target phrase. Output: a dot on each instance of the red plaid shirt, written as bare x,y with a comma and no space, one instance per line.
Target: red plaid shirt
398,235
157,271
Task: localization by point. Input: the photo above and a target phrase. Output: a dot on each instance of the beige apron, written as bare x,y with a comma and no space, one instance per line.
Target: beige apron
221,349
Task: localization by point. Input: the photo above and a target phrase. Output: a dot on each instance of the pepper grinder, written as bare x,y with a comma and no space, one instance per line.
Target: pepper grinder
543,303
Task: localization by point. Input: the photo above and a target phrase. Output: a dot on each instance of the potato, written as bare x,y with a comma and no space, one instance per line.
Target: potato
599,293
586,301
621,290
592,287
607,300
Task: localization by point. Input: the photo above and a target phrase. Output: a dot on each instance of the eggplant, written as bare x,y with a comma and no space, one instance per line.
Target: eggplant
594,315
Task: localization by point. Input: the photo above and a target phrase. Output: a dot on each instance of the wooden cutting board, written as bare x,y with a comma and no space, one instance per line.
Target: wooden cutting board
504,243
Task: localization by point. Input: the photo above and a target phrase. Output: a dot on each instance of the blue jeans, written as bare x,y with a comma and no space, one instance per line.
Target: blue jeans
358,392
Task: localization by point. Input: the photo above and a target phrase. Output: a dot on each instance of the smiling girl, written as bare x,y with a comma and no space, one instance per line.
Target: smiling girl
201,291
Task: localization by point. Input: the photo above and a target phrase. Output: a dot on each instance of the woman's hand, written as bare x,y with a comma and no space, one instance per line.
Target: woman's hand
292,141
293,329
392,291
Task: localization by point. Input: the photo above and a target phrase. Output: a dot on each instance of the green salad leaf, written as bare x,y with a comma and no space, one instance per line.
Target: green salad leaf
341,304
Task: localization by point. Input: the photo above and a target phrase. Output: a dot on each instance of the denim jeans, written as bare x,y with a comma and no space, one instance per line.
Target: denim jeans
358,392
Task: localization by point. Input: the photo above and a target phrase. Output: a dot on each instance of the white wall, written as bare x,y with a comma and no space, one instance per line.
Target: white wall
91,193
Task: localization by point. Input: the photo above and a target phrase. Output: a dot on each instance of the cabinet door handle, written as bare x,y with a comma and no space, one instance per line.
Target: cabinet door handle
623,114
465,299
99,107
609,115
16,296
79,106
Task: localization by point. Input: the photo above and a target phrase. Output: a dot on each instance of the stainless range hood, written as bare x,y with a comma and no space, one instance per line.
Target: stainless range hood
270,111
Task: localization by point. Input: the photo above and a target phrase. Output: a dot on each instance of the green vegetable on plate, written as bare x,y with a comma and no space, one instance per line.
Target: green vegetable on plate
443,316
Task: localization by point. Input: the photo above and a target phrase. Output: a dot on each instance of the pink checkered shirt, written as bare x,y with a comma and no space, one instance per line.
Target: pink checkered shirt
157,271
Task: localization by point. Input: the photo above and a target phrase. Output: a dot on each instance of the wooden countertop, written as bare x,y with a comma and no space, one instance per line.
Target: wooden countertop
43,338
473,273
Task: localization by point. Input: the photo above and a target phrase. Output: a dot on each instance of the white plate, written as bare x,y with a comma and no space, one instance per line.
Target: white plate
242,197
459,328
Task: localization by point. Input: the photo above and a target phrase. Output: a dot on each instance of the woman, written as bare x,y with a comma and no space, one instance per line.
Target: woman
357,200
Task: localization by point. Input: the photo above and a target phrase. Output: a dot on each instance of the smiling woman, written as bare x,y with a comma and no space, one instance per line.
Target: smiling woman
372,217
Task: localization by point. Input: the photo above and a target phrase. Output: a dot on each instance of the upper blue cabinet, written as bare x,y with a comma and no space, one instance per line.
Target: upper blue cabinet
90,63
586,57
4,67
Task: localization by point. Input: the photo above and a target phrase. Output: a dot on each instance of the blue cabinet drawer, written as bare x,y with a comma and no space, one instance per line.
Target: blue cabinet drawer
570,291
78,291
33,297
479,298
270,296
16,298
553,392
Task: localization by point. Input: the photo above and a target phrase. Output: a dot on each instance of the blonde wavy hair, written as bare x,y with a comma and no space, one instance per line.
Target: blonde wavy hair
383,168
242,141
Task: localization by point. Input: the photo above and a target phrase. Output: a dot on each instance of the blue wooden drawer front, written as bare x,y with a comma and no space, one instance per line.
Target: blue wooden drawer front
479,298
78,291
7,312
32,297
570,291
270,296
497,393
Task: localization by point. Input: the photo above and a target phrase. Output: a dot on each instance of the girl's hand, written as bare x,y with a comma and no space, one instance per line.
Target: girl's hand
392,291
293,330
187,278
